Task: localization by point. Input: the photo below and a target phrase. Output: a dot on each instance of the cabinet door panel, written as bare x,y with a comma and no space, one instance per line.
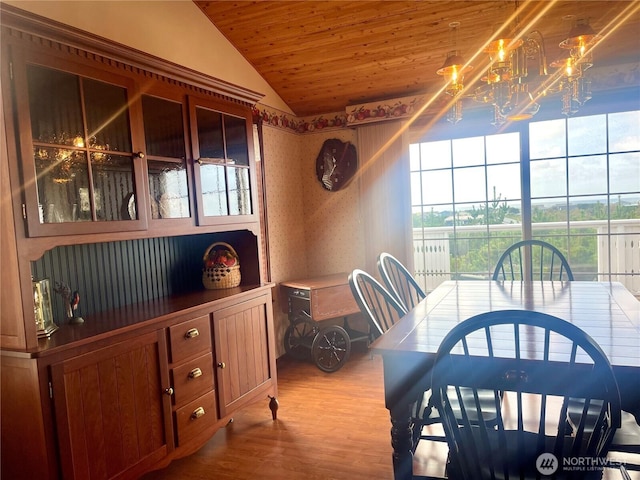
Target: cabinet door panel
242,339
164,131
210,136
107,116
222,146
54,116
235,130
214,190
79,151
110,408
239,191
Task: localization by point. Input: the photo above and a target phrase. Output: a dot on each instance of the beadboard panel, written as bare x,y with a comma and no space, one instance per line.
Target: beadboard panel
113,274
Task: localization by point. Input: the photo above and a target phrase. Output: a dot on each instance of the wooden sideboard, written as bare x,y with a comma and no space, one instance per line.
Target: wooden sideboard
136,387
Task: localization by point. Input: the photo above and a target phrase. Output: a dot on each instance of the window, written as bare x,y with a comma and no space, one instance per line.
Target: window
577,186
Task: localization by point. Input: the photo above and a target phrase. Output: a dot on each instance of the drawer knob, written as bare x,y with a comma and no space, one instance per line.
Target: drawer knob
222,365
197,413
168,391
195,373
192,333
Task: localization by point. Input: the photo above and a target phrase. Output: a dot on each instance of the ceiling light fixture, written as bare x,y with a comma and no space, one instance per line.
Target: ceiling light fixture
453,71
507,82
574,85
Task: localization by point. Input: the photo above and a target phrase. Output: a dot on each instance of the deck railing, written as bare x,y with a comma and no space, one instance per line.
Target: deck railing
618,250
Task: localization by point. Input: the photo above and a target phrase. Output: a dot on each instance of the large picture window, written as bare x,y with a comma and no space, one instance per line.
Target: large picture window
574,183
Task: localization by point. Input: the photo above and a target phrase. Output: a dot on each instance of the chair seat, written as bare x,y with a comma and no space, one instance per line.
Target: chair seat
486,401
518,452
626,438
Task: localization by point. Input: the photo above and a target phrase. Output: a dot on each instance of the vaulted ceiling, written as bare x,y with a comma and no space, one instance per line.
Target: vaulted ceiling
321,56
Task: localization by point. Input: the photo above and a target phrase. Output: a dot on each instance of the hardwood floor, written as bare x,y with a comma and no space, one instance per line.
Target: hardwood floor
330,426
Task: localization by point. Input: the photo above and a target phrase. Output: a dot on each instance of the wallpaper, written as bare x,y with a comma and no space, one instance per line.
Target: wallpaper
311,231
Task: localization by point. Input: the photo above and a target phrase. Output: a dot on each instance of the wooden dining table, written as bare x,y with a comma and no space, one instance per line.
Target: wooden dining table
606,311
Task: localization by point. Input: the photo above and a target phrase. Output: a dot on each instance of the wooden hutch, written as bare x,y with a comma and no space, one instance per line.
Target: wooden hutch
118,170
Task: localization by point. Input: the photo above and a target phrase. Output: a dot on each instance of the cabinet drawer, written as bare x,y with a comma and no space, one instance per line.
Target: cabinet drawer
196,416
192,379
190,338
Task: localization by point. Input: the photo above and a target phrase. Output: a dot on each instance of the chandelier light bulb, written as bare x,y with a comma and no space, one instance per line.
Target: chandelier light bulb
454,75
569,68
582,45
501,50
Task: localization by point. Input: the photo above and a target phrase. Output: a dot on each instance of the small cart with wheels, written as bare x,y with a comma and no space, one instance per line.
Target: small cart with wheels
309,303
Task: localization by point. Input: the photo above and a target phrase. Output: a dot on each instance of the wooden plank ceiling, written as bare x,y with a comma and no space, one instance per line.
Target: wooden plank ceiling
321,56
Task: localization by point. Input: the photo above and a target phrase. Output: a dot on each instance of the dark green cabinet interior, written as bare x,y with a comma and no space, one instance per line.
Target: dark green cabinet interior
114,274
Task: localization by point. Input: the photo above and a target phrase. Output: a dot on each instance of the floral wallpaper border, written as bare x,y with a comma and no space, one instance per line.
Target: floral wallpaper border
354,115
276,118
607,77
386,110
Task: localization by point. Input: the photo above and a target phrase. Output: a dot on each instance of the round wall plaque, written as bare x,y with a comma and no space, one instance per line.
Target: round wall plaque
336,164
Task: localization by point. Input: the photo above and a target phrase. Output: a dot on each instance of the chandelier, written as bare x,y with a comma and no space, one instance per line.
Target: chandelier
506,84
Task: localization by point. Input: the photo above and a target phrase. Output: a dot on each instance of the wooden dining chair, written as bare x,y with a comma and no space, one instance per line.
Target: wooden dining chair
515,354
546,262
376,303
399,281
382,311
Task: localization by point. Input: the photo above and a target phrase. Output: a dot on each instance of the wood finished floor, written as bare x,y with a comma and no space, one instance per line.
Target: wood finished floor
329,427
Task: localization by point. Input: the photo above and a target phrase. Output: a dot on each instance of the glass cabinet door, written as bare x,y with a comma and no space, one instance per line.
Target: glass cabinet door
79,163
223,162
166,159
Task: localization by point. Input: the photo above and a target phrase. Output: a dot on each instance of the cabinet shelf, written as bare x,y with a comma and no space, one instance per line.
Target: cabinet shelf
140,316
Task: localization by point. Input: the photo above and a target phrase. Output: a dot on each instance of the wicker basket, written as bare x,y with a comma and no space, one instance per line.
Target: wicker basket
219,269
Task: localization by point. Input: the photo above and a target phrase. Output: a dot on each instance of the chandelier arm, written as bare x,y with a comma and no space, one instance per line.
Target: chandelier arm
542,54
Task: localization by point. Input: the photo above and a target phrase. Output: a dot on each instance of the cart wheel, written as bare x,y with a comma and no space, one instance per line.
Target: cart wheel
298,338
331,348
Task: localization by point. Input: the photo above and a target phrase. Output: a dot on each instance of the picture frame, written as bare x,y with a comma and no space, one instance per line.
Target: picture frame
42,308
